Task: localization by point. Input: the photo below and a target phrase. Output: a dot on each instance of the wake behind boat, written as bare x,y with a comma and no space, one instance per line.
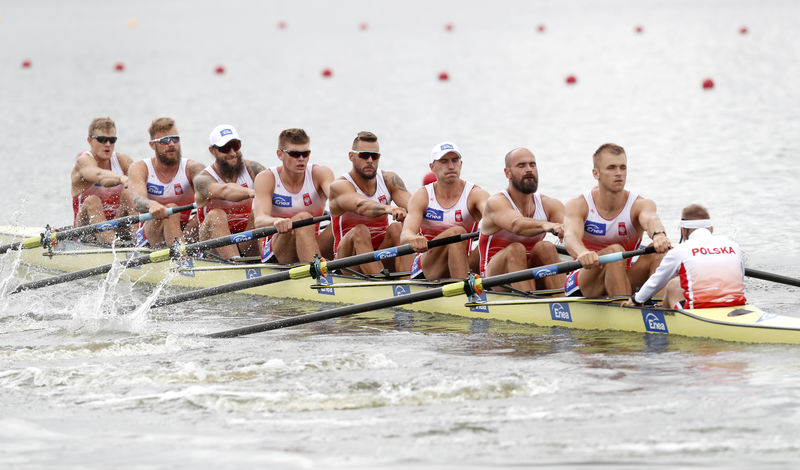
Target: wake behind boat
746,323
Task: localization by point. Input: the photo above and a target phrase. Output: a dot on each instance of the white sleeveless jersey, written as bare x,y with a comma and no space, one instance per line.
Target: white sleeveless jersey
238,212
437,219
109,196
377,225
179,190
286,204
599,232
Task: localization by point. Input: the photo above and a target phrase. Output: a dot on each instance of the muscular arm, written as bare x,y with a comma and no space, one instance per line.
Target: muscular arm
344,198
207,188
649,221
87,171
505,217
555,213
262,203
137,185
575,214
397,189
476,202
323,177
416,210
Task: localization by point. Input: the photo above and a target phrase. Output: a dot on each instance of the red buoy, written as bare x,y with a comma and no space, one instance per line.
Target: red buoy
363,26
708,84
540,28
327,73
639,29
571,80
443,76
448,27
743,30
119,66
429,178
26,64
219,69
281,25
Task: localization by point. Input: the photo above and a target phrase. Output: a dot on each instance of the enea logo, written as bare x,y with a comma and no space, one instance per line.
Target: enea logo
185,267
326,281
225,132
281,201
434,214
105,226
446,147
539,273
252,273
595,228
560,312
241,237
401,290
765,317
478,308
386,254
654,321
155,189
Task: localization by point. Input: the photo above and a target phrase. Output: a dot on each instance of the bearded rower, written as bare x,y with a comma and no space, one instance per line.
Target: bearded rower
515,222
224,192
607,219
163,181
361,204
447,207
294,190
99,178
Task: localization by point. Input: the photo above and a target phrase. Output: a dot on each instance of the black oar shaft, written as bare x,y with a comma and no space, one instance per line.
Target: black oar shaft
771,277
302,272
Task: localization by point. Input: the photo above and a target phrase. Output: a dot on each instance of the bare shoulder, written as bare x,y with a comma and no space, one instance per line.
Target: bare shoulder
497,202
193,168
393,181
341,186
577,207
321,172
254,167
549,202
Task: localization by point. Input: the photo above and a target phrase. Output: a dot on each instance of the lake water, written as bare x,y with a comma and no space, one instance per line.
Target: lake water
80,389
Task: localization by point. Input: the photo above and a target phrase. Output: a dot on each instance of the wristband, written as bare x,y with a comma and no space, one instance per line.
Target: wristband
633,299
657,232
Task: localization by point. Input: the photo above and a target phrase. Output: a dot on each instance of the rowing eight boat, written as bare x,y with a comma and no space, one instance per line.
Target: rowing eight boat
743,323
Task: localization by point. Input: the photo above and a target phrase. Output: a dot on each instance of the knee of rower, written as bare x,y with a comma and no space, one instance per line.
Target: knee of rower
360,231
615,248
302,216
454,230
545,250
215,216
517,250
92,203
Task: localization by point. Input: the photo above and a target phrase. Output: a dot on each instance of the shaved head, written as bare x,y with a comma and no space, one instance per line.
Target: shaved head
517,151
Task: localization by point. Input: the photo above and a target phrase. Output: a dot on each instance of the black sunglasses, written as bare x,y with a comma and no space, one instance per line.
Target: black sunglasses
364,155
167,139
103,139
297,153
234,145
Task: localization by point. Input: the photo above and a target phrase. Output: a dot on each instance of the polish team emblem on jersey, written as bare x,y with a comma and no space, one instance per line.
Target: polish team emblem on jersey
458,216
178,189
622,230
307,199
382,200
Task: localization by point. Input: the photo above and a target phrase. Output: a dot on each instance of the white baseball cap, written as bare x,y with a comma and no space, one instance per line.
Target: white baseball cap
223,134
442,149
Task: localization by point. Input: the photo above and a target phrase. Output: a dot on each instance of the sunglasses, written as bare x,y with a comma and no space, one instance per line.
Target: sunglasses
297,153
104,140
167,139
364,155
234,145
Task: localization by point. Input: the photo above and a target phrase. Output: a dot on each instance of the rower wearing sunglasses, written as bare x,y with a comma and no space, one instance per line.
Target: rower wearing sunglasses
99,178
163,181
448,206
361,204
224,191
294,190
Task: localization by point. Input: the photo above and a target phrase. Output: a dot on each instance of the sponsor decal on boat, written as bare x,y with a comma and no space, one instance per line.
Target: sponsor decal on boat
654,321
184,264
401,290
765,317
251,273
241,237
595,228
104,226
560,312
385,254
434,214
281,200
478,308
326,281
155,189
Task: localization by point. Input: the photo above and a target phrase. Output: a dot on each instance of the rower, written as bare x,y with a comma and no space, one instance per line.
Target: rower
162,181
292,191
709,268
224,192
515,223
99,179
361,203
607,219
443,208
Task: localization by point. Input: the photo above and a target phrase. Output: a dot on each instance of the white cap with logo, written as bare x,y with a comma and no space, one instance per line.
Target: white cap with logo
223,134
442,149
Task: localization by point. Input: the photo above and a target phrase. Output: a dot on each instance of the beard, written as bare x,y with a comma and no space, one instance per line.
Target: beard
526,184
364,175
166,161
230,172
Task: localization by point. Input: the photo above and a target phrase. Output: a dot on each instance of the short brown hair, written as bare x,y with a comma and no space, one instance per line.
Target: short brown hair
364,136
613,149
101,123
293,136
160,125
694,212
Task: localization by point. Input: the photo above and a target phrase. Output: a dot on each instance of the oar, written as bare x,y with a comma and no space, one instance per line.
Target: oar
55,236
771,277
167,253
468,287
313,269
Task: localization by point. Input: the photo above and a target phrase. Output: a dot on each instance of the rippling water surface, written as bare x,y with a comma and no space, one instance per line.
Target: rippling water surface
83,386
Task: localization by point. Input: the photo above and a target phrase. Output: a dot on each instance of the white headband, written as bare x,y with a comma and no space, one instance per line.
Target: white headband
699,223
